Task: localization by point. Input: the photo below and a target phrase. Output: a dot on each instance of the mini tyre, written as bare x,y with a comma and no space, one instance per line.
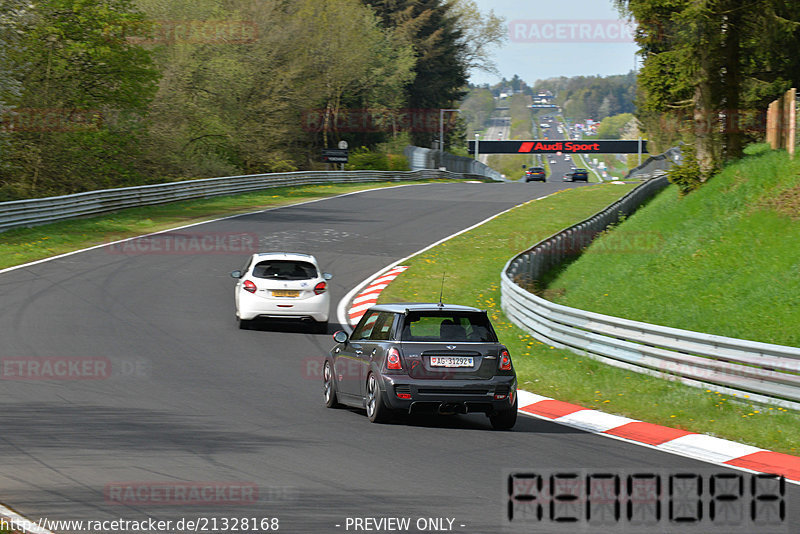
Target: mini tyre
504,420
329,386
376,408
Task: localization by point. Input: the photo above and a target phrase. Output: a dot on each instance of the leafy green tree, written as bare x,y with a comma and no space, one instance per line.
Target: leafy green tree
440,72
476,109
268,104
711,64
592,97
371,73
614,127
12,13
82,90
479,34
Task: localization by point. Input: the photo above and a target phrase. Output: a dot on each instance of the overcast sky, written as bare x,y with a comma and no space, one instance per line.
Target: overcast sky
549,38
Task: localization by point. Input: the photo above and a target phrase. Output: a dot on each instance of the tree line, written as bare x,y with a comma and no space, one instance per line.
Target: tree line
591,97
580,97
710,69
107,93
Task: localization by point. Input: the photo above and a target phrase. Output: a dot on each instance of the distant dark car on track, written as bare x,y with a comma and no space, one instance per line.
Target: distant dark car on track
577,175
535,174
416,358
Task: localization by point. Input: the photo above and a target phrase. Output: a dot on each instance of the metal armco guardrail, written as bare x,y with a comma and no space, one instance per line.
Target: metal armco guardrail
426,158
656,165
763,372
20,213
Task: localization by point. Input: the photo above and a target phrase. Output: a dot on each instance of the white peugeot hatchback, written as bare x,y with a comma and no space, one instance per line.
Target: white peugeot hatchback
282,285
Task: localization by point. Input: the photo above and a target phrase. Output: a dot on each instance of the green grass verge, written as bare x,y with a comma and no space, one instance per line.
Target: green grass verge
510,165
472,263
614,167
23,245
723,260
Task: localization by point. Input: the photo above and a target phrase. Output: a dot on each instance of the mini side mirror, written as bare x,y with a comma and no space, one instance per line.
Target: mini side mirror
327,276
236,274
340,336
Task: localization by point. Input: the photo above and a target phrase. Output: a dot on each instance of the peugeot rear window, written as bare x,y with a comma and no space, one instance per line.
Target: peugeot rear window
285,270
447,326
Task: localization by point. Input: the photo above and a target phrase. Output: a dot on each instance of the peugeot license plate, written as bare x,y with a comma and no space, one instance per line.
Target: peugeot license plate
285,293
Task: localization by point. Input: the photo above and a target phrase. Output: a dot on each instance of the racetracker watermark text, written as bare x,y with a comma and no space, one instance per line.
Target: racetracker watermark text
55,120
181,493
571,31
73,368
175,243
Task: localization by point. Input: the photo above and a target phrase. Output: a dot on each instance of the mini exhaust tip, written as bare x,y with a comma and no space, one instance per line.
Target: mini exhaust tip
451,409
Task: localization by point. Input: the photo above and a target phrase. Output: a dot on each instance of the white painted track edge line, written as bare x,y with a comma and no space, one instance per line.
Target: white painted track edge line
21,521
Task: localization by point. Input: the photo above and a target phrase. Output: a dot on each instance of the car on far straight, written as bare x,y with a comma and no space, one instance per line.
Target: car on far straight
417,358
535,174
577,175
282,285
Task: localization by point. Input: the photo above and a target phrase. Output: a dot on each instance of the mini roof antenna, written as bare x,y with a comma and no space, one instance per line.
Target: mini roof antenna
441,291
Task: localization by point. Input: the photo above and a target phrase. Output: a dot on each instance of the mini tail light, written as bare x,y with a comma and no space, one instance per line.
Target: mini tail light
393,360
320,288
249,286
404,396
505,360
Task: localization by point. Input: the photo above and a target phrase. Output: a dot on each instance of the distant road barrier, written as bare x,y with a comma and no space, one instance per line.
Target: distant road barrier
763,372
32,212
656,165
426,158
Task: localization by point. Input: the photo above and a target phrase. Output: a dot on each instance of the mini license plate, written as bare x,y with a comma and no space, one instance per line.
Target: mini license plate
285,293
452,361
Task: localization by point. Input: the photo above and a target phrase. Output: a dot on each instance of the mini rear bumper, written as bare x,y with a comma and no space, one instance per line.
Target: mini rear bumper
449,396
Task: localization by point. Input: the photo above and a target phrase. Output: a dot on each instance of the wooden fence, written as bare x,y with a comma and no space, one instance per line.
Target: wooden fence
782,122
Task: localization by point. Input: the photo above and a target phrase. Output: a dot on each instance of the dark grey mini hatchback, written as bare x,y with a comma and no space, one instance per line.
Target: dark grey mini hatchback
414,358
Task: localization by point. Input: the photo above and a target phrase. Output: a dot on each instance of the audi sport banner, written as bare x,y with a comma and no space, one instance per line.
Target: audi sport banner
584,146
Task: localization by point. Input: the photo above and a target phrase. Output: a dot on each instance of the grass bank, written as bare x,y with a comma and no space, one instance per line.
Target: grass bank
472,263
723,260
23,245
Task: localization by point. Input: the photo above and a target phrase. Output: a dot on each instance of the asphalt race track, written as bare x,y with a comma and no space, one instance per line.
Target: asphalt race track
173,395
